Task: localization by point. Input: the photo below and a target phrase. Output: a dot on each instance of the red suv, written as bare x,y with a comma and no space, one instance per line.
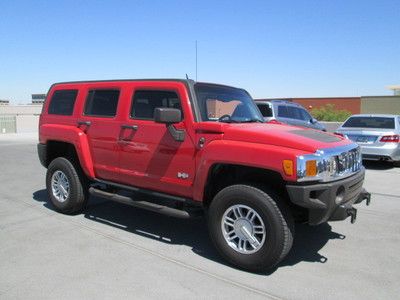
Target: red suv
192,148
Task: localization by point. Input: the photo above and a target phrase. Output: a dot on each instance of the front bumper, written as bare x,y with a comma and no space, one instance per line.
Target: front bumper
331,201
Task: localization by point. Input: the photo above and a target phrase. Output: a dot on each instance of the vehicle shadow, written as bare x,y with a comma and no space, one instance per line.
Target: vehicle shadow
309,240
377,165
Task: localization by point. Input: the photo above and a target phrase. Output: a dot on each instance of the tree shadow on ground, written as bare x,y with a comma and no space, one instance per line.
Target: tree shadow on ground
309,240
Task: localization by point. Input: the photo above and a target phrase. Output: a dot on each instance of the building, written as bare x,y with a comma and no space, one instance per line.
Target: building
19,118
38,98
4,102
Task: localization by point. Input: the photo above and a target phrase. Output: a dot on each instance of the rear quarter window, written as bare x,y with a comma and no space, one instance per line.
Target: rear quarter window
62,102
265,109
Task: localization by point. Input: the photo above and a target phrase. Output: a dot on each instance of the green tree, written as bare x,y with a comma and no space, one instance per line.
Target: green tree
329,113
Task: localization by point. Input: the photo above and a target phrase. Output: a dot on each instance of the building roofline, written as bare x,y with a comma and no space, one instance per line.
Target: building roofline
386,96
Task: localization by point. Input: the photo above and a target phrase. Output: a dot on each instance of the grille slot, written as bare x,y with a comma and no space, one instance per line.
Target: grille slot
349,161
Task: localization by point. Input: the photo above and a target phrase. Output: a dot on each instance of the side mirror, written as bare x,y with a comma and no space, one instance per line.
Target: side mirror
170,116
313,121
167,115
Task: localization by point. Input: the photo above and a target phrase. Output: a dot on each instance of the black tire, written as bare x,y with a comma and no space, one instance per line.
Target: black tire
78,186
279,227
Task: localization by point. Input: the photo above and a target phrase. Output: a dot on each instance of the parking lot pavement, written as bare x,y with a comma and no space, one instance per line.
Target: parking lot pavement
114,251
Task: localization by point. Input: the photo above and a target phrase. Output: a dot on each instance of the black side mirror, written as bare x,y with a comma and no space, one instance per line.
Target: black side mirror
167,115
170,116
313,121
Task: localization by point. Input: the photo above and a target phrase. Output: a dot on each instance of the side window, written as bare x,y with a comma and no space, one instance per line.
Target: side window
145,102
305,115
283,111
62,102
265,110
295,113
102,103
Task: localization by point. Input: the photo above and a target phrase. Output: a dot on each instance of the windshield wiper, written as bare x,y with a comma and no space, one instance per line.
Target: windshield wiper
229,121
252,121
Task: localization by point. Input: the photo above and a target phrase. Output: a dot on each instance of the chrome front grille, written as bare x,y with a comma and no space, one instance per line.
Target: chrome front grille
349,161
332,163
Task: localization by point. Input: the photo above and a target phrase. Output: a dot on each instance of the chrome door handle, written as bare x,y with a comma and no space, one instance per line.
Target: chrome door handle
86,123
133,127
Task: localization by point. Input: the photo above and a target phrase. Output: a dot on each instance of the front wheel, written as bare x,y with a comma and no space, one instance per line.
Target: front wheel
249,229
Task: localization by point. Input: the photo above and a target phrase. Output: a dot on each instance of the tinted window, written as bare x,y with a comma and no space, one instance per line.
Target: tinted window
298,113
102,103
305,115
265,109
62,102
145,102
283,112
370,122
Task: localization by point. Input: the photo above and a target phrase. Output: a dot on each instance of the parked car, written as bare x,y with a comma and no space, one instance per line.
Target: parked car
378,135
289,113
196,148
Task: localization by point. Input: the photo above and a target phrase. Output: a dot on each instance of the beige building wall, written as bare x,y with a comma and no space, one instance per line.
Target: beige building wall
380,105
19,118
20,110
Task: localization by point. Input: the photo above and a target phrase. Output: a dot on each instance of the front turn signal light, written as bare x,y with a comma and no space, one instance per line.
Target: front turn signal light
311,168
288,167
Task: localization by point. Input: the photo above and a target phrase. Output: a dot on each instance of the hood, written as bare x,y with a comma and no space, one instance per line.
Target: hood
282,135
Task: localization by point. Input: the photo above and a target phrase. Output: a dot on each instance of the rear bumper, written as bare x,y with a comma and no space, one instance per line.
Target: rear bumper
330,201
391,151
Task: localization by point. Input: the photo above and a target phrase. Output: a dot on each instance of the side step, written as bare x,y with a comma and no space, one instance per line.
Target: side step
166,210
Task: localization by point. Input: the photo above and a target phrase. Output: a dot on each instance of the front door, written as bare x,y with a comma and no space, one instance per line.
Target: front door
150,157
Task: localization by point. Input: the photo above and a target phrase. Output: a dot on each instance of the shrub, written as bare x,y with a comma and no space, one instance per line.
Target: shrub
329,113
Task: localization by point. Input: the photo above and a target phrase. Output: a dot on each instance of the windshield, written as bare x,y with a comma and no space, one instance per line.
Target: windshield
370,122
226,104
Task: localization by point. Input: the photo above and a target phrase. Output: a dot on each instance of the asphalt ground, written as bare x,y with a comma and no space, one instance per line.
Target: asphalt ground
112,251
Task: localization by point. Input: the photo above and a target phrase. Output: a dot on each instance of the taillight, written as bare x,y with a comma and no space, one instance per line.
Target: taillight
390,139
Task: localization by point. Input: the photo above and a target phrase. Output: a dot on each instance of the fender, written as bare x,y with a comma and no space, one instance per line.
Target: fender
263,156
72,135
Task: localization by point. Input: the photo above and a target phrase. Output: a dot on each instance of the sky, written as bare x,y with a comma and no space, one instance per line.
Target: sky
315,48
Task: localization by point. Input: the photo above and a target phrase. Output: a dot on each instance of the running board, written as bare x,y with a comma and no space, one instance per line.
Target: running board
165,210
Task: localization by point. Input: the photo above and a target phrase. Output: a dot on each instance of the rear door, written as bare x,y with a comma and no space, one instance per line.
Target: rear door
100,123
150,157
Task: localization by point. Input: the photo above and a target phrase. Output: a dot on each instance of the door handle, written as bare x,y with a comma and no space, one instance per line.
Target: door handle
133,127
86,123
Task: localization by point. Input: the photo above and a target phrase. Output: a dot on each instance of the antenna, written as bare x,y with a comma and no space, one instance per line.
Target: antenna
196,60
187,77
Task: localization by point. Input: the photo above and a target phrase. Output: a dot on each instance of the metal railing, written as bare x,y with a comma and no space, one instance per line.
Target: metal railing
8,124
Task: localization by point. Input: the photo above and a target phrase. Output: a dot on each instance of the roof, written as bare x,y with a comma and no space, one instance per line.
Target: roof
376,115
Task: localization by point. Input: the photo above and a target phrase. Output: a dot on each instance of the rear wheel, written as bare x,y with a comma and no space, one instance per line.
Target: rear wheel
249,229
66,186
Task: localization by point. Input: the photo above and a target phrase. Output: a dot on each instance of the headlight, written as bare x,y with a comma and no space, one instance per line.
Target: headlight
329,164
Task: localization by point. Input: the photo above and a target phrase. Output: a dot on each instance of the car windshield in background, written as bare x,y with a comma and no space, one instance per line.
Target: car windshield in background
226,104
370,122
